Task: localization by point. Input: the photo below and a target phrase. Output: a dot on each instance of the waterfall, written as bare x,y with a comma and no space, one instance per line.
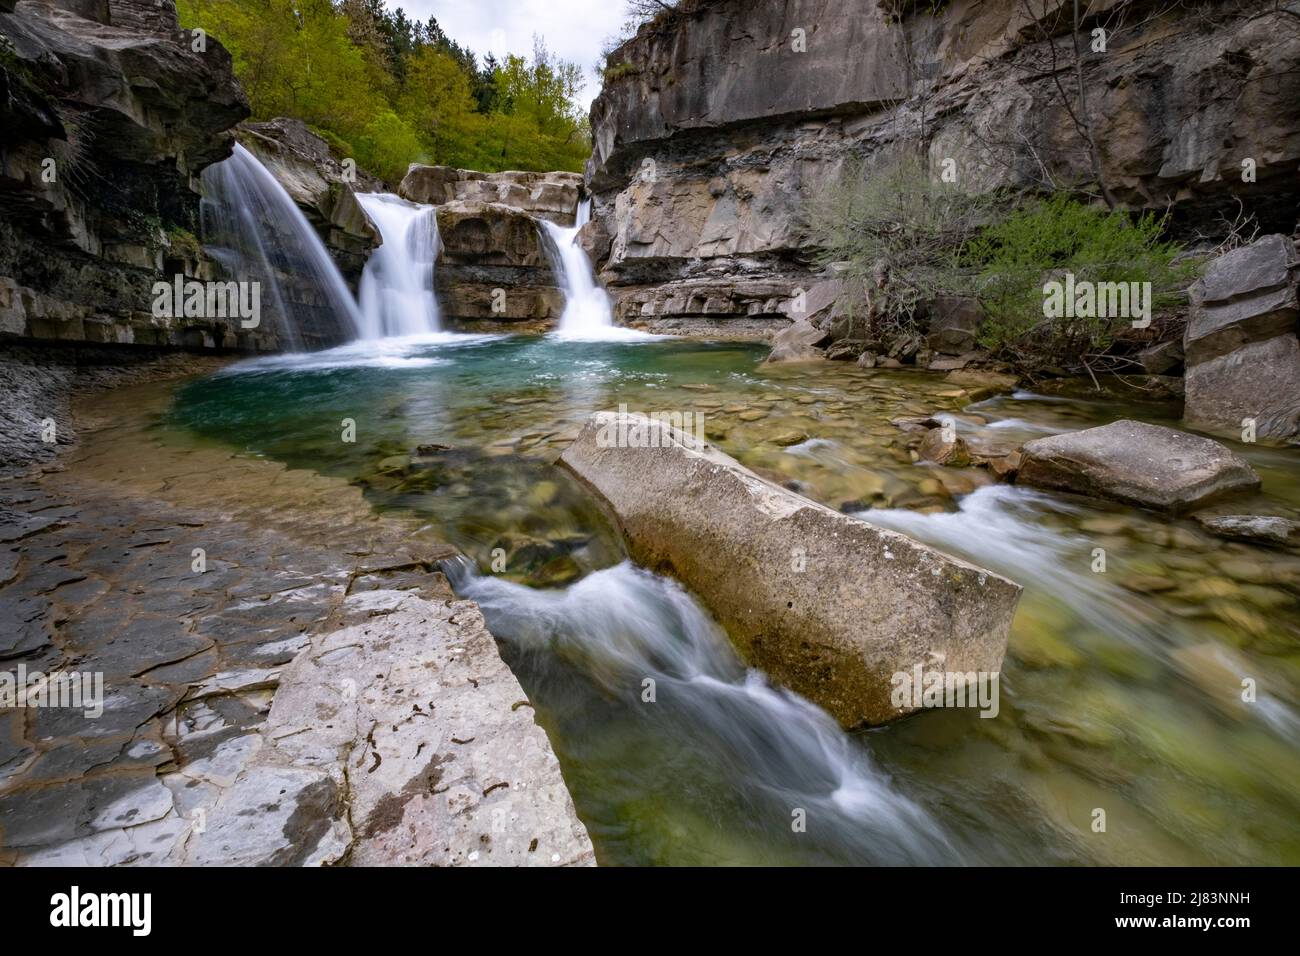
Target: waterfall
258,233
587,312
397,297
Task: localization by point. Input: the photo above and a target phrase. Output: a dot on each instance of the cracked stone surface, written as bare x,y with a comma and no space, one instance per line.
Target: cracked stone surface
225,737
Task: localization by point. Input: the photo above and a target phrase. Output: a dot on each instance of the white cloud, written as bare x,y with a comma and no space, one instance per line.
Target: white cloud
573,29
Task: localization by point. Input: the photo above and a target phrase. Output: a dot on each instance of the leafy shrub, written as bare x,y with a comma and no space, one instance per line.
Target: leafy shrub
1016,255
903,236
898,226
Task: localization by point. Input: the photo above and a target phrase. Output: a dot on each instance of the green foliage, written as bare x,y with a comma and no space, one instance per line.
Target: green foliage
1053,236
389,91
903,237
899,230
618,71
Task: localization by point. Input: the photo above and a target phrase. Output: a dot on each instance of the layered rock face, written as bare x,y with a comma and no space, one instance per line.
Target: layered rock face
553,196
322,187
107,115
706,170
494,266
1241,346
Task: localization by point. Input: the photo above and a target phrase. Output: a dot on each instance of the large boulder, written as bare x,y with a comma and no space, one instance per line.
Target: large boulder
489,234
550,195
954,323
493,267
1242,351
1140,464
828,605
797,343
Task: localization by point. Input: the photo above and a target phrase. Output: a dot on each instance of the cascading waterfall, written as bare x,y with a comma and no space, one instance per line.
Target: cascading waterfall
258,233
622,626
397,297
587,312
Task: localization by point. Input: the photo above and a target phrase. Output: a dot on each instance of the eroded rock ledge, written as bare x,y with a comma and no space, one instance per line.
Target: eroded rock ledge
315,694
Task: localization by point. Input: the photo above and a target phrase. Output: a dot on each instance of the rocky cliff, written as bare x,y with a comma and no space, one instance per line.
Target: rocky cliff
705,164
108,112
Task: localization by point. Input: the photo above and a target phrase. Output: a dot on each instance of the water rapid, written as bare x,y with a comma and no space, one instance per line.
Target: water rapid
666,679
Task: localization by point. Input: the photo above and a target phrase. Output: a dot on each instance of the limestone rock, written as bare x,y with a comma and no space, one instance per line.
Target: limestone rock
1242,350
797,343
413,714
1146,465
944,447
861,606
551,195
703,169
482,233
315,179
1264,529
130,114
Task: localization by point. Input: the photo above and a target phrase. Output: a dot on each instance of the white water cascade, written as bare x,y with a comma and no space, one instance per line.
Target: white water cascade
587,312
258,233
624,624
397,297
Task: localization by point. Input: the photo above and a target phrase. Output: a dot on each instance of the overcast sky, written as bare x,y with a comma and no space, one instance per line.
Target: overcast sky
573,29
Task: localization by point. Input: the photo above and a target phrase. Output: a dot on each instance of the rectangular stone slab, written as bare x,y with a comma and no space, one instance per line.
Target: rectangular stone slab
826,604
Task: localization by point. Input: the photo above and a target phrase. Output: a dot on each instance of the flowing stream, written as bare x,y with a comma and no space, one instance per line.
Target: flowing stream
258,234
1120,689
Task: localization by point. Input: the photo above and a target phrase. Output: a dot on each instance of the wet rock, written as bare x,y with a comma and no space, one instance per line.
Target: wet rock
1263,529
1137,463
981,384
119,98
543,195
878,602
491,234
1006,467
431,741
317,182
944,447
797,343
